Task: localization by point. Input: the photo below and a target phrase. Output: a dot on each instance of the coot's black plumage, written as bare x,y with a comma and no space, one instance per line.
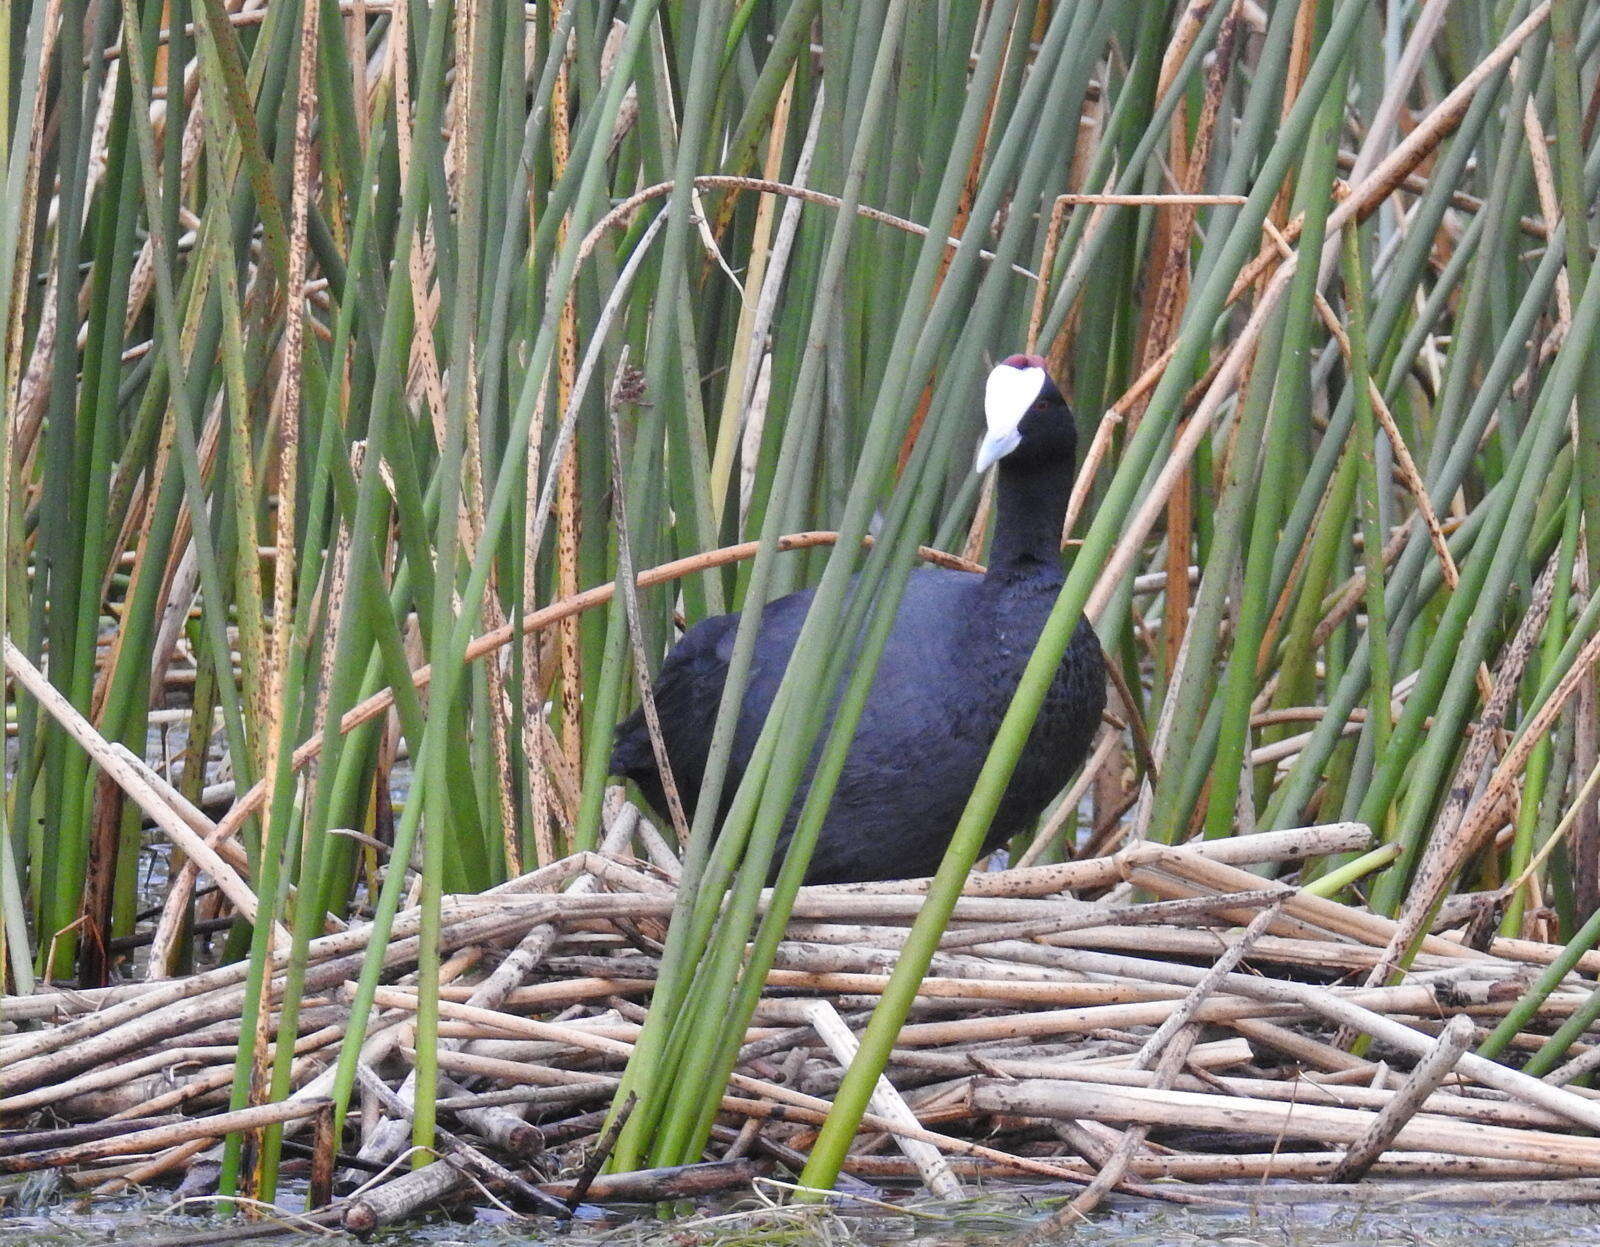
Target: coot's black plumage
952,662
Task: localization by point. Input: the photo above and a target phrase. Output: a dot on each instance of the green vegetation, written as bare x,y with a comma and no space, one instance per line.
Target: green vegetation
343,333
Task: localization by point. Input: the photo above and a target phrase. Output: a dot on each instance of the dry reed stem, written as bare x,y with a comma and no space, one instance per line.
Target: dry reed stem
27,1059
1300,1090
886,1102
1291,844
134,784
1431,880
157,1137
1272,1119
1423,1080
1283,1167
1445,856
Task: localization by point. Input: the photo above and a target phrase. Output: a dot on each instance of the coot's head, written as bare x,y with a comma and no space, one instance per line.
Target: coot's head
1028,422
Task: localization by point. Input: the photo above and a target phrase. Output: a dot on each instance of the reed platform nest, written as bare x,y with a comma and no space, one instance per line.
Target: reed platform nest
1174,1023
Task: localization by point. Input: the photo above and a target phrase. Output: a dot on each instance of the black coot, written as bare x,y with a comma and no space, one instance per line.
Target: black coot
959,644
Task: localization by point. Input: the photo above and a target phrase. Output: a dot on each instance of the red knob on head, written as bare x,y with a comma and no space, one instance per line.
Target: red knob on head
1025,361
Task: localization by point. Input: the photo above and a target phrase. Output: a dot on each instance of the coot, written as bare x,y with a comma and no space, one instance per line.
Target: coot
952,662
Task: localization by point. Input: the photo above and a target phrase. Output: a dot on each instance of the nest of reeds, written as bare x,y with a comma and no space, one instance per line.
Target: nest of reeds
1171,1023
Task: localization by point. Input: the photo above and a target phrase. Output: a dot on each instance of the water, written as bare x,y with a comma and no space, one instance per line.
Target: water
1001,1221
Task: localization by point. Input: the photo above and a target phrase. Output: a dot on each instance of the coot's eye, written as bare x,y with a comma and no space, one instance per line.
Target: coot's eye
1040,405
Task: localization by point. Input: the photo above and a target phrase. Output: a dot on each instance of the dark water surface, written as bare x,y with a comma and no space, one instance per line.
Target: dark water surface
996,1223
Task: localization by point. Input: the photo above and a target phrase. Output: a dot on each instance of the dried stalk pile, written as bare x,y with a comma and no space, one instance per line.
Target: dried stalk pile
1161,1021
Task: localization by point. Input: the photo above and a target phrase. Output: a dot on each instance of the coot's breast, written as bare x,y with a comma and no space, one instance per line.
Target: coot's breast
1061,737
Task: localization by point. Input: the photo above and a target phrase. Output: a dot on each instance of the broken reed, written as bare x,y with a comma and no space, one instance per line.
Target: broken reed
319,317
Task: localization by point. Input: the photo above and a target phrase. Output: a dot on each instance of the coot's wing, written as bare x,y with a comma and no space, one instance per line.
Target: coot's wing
911,762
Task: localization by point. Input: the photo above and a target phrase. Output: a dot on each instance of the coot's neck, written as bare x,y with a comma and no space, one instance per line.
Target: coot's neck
1030,507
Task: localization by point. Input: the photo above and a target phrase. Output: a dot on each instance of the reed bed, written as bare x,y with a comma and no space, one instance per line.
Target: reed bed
357,353
1063,1022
